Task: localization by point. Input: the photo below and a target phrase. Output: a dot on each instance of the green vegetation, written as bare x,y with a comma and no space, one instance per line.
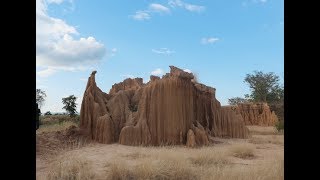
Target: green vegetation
40,96
280,125
264,87
70,105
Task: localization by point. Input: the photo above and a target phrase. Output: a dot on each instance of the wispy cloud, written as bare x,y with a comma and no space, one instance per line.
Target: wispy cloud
209,40
187,70
113,51
165,51
128,76
247,2
141,15
47,72
158,8
187,6
55,1
153,8
157,72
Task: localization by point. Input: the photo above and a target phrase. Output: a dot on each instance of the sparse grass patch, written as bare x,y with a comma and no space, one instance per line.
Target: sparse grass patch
152,170
55,127
279,126
243,151
58,119
135,155
275,139
207,157
71,168
270,171
264,130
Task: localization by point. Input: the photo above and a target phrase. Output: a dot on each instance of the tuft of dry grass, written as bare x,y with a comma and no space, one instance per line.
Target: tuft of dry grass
274,139
243,151
152,170
209,157
271,171
71,168
135,155
264,130
55,127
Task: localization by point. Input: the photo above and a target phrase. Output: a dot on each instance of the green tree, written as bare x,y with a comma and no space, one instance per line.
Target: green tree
40,96
48,113
70,104
236,100
264,87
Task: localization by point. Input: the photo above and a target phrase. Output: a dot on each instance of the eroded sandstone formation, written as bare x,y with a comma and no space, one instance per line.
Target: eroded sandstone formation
255,114
161,112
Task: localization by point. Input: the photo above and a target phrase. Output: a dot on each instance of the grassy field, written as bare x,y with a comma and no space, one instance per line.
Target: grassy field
259,157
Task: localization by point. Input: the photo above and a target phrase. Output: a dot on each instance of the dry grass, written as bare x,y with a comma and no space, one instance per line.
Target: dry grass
55,127
208,157
243,151
54,119
153,163
264,130
135,155
260,139
71,168
271,171
152,170
234,159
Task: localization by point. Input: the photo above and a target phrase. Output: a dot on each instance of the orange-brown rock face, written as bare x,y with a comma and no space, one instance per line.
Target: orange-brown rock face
127,84
256,114
162,111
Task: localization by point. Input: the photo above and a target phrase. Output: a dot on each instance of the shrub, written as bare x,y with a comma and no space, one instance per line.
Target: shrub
71,167
48,113
280,125
242,151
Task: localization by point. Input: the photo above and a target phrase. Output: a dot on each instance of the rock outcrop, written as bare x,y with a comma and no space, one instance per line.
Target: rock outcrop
161,112
191,140
255,114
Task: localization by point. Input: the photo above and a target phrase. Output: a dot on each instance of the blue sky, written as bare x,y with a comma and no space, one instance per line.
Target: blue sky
220,41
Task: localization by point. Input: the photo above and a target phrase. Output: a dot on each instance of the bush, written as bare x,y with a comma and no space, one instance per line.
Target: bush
280,125
48,113
71,168
242,151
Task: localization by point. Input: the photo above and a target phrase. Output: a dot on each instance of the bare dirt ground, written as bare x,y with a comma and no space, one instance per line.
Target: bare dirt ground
259,157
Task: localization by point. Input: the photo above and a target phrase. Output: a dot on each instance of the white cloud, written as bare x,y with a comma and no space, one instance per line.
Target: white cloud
157,72
209,40
187,70
247,2
113,51
158,8
187,6
56,47
194,8
55,1
141,15
165,51
47,72
146,14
